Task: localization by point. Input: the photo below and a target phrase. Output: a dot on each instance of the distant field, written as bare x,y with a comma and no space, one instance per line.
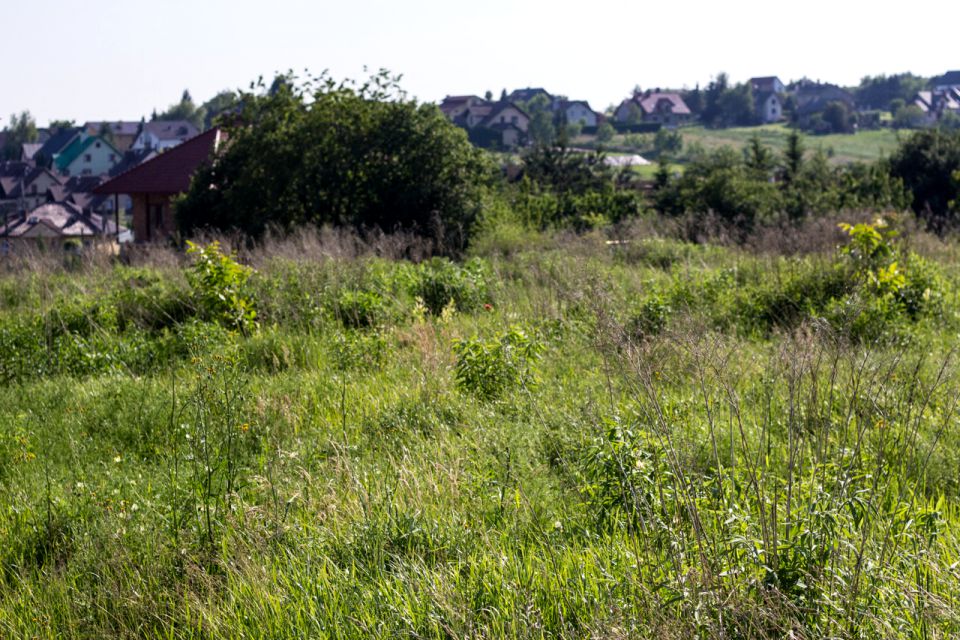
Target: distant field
864,146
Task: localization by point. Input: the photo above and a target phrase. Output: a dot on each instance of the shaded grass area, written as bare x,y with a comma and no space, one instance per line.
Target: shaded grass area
705,447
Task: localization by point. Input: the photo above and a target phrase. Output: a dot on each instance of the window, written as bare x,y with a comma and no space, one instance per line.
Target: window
87,157
113,158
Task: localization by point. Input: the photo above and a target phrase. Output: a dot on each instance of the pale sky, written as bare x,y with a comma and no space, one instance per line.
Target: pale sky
120,59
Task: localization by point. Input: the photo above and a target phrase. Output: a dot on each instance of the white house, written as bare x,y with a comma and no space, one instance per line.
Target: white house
768,107
577,112
161,135
87,156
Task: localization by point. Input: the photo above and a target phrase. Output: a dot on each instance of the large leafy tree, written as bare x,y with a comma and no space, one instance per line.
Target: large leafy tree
926,162
325,152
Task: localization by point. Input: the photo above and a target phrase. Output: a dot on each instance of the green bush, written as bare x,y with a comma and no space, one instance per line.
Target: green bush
439,282
359,309
219,285
490,368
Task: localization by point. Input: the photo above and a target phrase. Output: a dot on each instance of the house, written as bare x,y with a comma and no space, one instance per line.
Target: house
454,106
504,113
663,107
487,123
577,112
86,156
54,145
949,80
154,184
813,97
57,222
161,135
78,190
28,150
767,84
768,96
121,134
767,107
934,104
528,94
23,186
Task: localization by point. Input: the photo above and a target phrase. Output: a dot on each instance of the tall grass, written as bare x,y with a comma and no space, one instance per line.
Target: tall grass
684,466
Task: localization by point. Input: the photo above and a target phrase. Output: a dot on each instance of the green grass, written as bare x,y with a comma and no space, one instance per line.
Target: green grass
863,146
699,445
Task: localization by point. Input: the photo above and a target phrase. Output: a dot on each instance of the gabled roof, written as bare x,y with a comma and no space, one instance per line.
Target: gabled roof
524,95
58,218
168,173
58,140
950,78
29,149
119,128
171,129
651,100
131,158
499,107
765,83
76,147
16,178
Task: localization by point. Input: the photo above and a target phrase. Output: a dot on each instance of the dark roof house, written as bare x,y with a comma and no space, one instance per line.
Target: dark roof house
58,220
153,184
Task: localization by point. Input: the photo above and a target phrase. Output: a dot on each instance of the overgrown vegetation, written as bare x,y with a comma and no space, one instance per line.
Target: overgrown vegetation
650,438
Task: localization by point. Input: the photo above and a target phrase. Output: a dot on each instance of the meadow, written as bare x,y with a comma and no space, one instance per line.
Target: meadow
840,148
611,435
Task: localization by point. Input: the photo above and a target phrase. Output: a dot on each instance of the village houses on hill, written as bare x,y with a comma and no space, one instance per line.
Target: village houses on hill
50,192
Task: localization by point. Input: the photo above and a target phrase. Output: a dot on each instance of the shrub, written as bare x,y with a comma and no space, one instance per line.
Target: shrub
360,309
219,285
490,368
440,281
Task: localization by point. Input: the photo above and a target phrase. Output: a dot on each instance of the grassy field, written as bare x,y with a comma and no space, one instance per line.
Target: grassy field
864,146
560,437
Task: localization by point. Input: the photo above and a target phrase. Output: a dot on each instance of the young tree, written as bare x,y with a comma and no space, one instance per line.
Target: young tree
605,132
21,129
183,110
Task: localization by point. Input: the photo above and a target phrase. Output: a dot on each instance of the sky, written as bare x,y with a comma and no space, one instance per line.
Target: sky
121,59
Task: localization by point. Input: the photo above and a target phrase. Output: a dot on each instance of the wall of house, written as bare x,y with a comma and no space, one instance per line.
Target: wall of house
509,115
772,110
97,159
153,218
580,114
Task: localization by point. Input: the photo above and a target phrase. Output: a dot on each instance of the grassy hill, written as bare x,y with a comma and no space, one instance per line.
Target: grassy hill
561,437
863,146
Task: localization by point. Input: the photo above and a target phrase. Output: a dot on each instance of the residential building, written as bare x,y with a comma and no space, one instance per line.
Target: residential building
663,107
161,135
121,134
55,143
23,186
87,156
57,222
767,84
577,112
949,80
154,184
768,107
528,94
454,106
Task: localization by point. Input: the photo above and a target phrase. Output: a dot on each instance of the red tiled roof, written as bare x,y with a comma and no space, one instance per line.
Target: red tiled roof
168,173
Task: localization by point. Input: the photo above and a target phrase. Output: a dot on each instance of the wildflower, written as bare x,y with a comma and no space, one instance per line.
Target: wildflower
488,306
117,459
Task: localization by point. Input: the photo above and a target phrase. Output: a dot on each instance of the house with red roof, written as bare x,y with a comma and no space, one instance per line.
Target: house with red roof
154,184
